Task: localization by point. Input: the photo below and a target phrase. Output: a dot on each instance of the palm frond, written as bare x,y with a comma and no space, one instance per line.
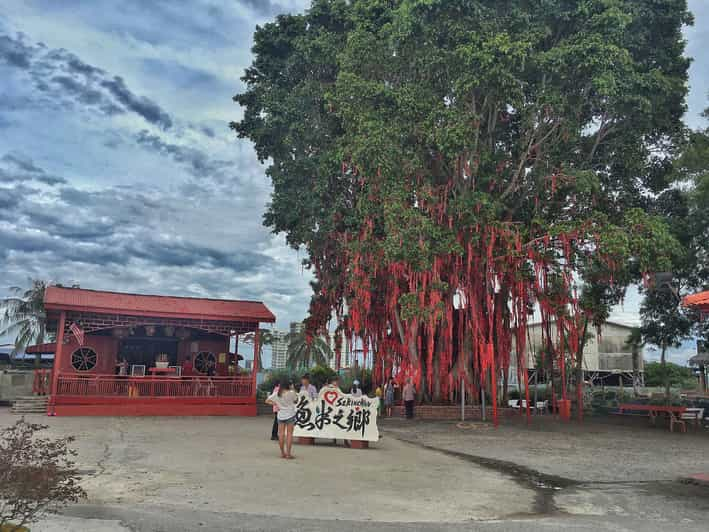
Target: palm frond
24,315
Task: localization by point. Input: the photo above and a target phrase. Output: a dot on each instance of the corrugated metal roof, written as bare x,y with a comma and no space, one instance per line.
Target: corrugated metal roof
698,300
79,299
41,348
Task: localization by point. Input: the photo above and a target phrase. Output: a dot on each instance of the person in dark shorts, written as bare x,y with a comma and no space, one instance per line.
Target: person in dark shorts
287,400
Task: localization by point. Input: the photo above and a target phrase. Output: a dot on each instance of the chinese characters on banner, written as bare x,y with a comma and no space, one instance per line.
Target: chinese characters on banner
337,415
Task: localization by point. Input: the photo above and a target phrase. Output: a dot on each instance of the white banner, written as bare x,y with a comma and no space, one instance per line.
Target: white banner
337,415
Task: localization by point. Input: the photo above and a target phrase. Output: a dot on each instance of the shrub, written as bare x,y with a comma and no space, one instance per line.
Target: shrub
680,377
36,474
321,375
274,377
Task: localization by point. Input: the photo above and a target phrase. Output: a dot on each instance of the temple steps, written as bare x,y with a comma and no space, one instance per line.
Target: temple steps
33,404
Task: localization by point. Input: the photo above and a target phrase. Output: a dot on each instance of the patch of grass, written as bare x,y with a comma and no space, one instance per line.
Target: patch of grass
13,528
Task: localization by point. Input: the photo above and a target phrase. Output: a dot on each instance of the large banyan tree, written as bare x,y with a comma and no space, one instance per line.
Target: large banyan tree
450,165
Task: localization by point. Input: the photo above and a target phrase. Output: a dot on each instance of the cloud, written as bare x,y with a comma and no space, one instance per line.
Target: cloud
198,163
265,8
68,80
15,52
15,167
138,104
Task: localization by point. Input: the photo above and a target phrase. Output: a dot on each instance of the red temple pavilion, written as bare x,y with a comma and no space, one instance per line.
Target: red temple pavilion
132,355
699,301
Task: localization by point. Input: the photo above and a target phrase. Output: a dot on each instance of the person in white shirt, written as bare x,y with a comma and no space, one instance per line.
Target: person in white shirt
307,387
286,400
356,390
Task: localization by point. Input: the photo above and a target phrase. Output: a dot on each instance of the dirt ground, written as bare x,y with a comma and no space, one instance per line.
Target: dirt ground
160,474
593,451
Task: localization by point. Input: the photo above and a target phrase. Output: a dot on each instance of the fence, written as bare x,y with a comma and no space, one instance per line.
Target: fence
151,386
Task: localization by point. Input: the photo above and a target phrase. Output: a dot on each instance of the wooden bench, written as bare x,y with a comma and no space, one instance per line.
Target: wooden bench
695,415
675,413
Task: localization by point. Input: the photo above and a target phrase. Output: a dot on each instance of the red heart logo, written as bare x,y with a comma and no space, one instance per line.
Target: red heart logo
357,409
330,396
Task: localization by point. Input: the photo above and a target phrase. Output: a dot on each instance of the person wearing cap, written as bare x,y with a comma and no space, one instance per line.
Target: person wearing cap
356,390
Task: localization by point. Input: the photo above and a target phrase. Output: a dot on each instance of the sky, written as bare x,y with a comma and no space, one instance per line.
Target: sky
117,167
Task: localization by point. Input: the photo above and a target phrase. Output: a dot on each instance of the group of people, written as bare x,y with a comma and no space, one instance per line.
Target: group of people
284,400
408,395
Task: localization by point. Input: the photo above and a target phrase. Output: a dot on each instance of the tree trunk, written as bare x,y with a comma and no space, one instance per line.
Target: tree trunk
665,374
579,369
437,372
636,370
505,379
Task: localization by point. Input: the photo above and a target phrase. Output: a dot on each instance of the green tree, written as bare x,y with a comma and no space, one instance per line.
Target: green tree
665,323
657,374
321,375
23,315
471,149
305,350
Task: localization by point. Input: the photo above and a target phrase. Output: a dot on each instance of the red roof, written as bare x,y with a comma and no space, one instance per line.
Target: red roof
700,300
41,348
81,300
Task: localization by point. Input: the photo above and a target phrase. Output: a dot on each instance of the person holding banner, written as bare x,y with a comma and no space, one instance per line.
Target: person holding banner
286,400
308,388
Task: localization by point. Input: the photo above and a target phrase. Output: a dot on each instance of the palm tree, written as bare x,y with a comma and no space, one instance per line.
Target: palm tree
264,338
23,315
304,349
635,342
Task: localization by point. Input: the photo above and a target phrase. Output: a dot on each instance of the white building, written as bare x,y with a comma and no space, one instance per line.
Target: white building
279,349
279,346
605,352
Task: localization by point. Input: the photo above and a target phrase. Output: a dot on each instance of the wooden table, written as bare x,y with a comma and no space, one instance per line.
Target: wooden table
653,411
165,371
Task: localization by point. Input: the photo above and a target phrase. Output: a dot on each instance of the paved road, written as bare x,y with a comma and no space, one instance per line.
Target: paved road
122,519
213,474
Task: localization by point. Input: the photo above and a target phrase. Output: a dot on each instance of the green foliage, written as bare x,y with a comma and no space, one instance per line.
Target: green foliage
23,315
679,376
543,116
304,350
665,322
321,375
276,376
364,376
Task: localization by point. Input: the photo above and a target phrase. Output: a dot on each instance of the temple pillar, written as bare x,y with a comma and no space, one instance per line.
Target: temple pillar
58,359
255,365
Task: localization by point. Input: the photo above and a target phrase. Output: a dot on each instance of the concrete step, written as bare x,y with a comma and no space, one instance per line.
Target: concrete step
34,404
32,398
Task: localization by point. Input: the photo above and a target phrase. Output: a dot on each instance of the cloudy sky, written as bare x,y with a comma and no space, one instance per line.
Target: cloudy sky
117,168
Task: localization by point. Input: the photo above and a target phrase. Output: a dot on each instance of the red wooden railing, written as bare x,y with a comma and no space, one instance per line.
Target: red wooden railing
152,386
